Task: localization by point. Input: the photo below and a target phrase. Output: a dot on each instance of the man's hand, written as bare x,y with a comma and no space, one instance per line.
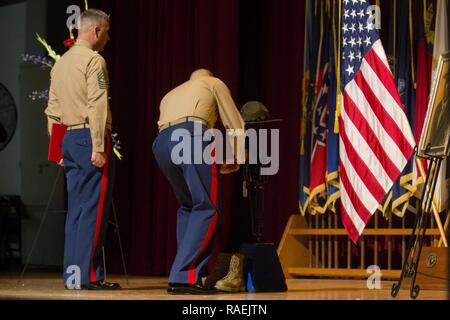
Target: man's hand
61,163
98,159
229,168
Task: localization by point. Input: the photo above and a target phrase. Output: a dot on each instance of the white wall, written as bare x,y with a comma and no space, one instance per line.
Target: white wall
12,45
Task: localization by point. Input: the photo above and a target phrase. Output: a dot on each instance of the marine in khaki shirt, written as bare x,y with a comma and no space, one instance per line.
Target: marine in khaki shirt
208,98
79,99
203,99
79,92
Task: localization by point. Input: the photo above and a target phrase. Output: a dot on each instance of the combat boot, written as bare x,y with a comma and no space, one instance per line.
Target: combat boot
220,270
233,281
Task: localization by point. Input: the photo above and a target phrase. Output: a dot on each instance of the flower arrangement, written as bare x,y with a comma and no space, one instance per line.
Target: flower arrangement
45,62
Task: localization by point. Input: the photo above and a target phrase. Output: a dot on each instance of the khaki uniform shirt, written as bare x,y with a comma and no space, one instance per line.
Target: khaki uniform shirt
79,92
206,98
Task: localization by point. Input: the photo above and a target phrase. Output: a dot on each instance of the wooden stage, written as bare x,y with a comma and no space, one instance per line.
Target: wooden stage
48,286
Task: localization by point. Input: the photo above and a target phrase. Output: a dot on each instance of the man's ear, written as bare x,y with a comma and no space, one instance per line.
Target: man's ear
97,31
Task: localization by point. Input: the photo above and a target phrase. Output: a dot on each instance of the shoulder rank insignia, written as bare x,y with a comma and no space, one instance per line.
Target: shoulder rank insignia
102,84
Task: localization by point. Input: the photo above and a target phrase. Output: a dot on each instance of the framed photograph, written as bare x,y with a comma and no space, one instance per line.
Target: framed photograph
435,140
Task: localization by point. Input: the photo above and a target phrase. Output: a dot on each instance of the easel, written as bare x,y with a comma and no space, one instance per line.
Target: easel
44,217
442,229
427,207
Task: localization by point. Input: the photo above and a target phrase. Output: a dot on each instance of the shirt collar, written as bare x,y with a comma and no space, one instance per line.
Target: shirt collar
83,43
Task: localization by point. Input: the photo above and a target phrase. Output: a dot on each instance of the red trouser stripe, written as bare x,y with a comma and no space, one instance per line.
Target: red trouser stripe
101,204
191,272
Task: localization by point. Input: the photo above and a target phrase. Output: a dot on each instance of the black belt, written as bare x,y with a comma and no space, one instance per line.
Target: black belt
183,120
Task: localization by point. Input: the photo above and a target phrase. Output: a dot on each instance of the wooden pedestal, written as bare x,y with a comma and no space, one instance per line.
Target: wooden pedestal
433,269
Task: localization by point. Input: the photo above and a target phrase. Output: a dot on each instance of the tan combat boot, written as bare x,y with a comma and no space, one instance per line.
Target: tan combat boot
220,270
233,281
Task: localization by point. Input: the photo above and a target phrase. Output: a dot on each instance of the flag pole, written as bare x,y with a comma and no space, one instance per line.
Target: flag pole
394,44
411,42
338,74
305,81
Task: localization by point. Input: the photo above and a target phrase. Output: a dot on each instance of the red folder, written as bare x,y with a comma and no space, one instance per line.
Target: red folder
56,138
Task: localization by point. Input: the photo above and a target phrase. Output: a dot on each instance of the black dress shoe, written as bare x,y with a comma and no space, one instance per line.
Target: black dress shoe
101,285
194,289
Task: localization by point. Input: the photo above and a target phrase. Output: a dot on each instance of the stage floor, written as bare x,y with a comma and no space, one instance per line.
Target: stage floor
48,286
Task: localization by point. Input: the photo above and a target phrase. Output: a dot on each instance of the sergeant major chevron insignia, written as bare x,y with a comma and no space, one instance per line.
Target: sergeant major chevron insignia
102,83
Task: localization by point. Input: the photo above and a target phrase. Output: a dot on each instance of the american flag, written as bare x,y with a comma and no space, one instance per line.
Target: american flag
376,140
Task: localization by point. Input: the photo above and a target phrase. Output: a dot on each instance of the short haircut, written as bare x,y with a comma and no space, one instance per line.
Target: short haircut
201,73
92,15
